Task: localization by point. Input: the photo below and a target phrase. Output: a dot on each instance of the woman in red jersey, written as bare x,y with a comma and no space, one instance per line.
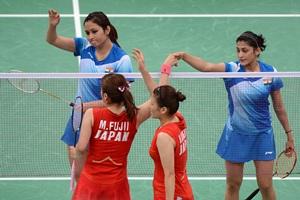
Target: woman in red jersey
107,134
169,145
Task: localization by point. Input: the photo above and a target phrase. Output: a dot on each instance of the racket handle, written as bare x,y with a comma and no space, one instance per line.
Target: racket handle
71,104
253,194
72,181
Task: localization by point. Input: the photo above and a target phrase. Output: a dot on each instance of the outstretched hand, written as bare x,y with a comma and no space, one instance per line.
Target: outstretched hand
174,58
54,17
138,55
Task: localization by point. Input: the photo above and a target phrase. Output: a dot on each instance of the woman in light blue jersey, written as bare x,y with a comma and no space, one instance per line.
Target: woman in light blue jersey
248,133
99,53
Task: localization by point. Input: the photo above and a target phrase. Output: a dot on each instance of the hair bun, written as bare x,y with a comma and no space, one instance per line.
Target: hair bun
180,96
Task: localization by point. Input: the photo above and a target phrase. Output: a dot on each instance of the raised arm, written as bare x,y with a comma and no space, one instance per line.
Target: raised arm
199,63
53,38
166,69
139,58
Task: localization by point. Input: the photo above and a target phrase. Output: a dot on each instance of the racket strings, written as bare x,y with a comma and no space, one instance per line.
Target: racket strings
29,85
77,114
285,164
25,85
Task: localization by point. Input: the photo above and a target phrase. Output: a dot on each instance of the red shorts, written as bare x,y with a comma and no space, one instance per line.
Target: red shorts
88,190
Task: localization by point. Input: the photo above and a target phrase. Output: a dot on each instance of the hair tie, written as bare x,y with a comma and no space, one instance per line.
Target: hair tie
122,88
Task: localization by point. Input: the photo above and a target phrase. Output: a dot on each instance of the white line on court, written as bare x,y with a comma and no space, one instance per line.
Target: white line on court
77,23
161,15
76,18
134,178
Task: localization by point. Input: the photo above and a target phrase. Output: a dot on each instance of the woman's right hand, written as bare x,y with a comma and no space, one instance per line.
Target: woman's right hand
54,17
138,55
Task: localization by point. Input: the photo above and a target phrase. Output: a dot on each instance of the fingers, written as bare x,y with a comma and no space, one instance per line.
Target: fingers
138,55
53,13
172,59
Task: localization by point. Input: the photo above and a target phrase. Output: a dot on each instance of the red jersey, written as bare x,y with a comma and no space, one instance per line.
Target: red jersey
109,145
183,189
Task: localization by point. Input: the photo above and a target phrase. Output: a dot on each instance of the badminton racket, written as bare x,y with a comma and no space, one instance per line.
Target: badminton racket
32,86
77,114
284,166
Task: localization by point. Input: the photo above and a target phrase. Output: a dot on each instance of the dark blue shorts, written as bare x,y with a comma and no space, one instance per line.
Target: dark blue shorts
69,135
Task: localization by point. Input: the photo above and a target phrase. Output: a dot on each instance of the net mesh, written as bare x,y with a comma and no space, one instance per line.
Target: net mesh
31,125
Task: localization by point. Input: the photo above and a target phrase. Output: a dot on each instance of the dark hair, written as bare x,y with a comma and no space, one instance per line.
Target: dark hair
117,89
254,40
102,20
167,96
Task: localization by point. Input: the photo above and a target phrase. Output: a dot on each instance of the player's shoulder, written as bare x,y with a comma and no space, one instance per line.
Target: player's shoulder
233,66
267,67
118,51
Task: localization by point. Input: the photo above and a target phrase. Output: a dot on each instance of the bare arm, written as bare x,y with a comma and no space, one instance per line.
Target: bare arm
93,104
144,109
85,134
139,57
199,63
166,145
53,38
283,118
170,61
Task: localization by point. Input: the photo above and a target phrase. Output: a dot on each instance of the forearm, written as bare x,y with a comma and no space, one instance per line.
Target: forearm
51,34
170,186
196,62
151,85
283,119
80,158
93,104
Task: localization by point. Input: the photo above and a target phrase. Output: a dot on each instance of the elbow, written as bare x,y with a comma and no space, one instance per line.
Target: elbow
169,174
50,40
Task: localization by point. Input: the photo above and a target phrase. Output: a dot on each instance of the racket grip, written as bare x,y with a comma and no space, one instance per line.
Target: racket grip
72,181
253,194
71,104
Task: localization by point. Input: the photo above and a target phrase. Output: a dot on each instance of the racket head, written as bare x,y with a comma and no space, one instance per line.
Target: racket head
77,114
24,84
285,163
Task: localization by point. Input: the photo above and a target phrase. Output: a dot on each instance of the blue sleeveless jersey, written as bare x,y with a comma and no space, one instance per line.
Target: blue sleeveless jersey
117,61
248,100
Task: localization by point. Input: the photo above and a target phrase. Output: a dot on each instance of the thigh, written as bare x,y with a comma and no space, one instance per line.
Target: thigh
264,171
234,172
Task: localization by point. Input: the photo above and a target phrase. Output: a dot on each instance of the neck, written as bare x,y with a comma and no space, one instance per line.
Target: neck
166,120
103,50
116,108
253,67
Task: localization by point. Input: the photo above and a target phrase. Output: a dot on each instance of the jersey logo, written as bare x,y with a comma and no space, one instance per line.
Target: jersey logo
267,80
268,152
113,131
109,69
182,142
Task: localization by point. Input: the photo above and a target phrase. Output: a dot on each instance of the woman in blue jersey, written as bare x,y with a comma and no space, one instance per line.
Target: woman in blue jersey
248,133
99,53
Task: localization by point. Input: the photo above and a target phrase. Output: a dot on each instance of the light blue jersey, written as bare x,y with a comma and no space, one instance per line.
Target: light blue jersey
248,100
248,133
117,61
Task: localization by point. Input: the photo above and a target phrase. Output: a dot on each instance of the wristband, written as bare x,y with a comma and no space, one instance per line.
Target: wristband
289,131
166,69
